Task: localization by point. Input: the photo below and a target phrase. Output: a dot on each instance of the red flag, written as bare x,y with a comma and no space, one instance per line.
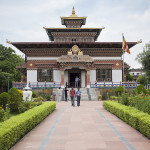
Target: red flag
125,46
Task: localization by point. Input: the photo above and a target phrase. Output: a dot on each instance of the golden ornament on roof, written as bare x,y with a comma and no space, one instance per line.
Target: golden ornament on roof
75,49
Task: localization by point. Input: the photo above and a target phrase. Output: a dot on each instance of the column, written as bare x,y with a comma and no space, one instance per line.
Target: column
62,78
88,78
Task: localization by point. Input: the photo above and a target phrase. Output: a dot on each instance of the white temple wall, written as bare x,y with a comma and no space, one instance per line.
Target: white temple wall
82,79
92,76
31,76
65,78
57,75
117,75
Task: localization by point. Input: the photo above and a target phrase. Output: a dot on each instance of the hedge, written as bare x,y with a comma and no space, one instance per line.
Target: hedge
132,116
16,127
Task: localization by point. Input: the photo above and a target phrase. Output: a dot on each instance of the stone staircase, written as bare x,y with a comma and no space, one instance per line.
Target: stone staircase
87,94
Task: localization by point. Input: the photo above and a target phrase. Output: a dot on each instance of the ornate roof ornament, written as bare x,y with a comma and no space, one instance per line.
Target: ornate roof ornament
73,13
75,50
140,41
8,41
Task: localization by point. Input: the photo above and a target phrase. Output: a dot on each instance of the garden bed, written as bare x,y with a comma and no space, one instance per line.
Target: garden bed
16,127
132,116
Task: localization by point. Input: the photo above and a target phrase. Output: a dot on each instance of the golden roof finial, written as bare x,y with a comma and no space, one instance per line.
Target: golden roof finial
73,11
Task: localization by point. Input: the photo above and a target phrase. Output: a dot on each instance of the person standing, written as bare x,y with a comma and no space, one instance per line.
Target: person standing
78,94
72,95
66,94
76,82
59,93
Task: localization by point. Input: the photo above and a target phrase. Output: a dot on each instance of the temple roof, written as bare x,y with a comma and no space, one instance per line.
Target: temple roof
24,45
50,30
73,16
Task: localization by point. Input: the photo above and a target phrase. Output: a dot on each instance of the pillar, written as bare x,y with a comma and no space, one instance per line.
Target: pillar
62,78
88,78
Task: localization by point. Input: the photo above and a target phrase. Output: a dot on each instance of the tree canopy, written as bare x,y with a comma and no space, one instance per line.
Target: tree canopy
129,77
144,58
9,60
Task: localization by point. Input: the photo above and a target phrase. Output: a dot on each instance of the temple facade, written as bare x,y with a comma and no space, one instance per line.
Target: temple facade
72,51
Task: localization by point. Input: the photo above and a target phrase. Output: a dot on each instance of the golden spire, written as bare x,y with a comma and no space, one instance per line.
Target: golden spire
73,13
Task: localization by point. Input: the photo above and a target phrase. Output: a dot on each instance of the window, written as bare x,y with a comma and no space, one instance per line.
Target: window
104,75
45,75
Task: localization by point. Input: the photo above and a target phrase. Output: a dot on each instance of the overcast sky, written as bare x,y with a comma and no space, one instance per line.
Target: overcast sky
23,20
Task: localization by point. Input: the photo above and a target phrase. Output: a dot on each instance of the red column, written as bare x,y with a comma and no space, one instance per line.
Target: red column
62,78
88,78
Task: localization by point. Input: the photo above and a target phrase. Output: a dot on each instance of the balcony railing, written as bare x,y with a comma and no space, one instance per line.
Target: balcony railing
37,85
113,84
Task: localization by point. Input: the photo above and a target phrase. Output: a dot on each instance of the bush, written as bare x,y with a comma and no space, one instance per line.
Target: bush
16,127
45,95
137,119
2,114
124,99
15,100
4,99
119,90
104,94
142,79
34,94
26,105
113,98
141,89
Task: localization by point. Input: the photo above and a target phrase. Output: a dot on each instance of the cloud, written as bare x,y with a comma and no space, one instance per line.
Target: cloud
24,20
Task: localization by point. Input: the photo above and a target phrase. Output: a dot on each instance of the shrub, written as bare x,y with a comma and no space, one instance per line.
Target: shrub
137,119
119,90
26,105
113,98
4,98
148,91
16,127
141,89
34,94
104,94
124,99
142,79
100,97
21,92
2,114
15,99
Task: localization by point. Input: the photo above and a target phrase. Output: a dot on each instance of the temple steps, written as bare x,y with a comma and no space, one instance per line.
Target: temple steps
87,94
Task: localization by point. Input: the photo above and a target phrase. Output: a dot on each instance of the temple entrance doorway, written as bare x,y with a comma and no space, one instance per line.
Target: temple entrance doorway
72,74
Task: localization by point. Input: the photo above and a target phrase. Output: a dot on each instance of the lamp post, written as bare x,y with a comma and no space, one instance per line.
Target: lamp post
8,82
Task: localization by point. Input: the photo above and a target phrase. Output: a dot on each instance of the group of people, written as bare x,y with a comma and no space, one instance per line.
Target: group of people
73,94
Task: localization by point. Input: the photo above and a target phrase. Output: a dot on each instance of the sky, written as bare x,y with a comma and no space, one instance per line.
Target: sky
23,21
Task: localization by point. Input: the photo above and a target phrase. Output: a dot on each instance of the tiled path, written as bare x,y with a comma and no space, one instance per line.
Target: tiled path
88,127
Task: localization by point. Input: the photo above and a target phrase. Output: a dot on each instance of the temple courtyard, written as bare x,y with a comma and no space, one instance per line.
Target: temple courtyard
88,127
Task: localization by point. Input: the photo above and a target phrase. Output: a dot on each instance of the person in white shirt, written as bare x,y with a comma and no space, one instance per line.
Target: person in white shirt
59,94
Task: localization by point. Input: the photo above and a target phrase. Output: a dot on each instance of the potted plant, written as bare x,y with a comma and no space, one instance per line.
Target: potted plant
100,97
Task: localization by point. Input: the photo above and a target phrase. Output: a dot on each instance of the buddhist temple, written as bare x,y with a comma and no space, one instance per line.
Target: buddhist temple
72,51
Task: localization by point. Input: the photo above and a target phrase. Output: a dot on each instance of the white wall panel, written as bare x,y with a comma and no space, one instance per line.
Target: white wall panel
117,75
31,75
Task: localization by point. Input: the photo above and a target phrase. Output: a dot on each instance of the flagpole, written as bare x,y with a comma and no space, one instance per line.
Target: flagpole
123,60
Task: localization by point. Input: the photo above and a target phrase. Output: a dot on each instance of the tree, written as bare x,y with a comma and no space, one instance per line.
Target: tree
142,79
9,60
129,77
144,58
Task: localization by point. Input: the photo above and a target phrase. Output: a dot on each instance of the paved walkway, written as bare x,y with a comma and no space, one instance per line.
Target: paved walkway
88,127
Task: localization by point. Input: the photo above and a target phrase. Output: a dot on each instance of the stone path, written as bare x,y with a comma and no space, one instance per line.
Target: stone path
88,127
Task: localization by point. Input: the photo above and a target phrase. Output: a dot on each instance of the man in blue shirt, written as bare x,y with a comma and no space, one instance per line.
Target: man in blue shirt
77,82
78,94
